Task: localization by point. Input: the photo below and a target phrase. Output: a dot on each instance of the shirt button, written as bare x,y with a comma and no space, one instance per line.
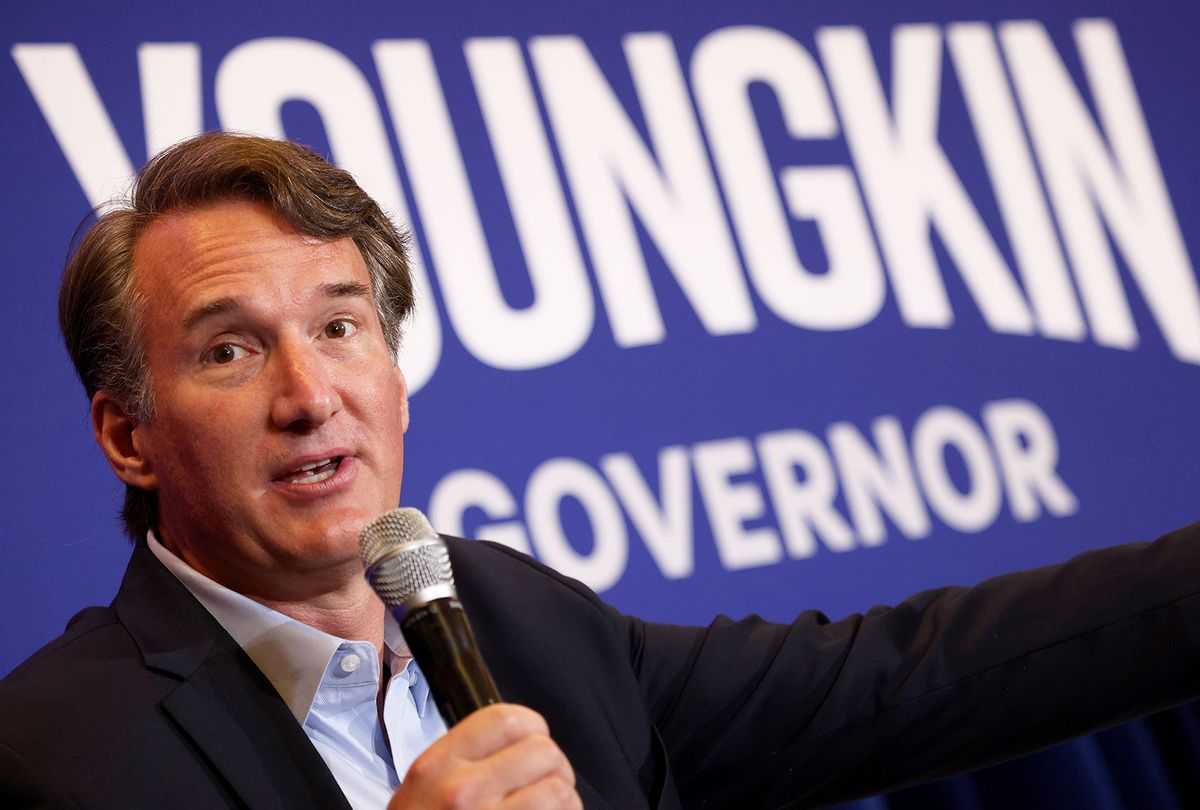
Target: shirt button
350,663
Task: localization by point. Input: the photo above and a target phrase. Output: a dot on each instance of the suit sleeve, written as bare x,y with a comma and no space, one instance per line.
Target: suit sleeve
23,784
761,714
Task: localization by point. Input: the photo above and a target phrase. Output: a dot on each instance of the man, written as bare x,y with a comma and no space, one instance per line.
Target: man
235,329
257,416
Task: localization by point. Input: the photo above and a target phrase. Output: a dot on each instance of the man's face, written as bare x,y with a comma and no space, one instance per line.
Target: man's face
279,413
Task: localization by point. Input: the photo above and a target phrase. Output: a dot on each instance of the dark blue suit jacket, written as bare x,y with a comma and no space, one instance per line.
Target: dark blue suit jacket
149,703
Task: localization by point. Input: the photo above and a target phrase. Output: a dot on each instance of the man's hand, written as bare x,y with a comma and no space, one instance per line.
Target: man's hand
500,756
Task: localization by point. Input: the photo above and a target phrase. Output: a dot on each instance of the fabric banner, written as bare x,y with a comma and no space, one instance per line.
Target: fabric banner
733,308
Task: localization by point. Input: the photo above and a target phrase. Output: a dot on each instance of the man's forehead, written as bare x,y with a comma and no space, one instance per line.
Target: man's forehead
223,223
232,236
196,264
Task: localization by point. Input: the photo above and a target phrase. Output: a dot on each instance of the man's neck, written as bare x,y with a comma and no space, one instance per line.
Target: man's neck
353,613
336,600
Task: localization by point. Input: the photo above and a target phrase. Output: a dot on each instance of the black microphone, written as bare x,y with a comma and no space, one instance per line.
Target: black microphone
408,565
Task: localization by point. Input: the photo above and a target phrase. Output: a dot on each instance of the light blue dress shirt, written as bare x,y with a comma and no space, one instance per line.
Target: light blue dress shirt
330,685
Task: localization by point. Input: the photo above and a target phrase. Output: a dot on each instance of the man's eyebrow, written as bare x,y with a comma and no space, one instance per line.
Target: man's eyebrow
205,311
221,306
347,289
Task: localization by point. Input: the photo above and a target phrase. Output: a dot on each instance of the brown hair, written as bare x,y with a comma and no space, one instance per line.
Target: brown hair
100,309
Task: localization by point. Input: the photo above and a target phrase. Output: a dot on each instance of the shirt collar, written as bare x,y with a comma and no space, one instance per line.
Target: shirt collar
291,654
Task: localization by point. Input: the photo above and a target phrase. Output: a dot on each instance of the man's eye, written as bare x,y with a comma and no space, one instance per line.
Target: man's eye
225,353
339,329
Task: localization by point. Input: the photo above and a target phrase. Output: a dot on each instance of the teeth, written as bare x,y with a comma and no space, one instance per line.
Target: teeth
316,464
326,466
313,479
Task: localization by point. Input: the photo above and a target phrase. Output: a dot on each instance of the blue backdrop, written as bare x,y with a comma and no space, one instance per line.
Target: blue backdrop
731,308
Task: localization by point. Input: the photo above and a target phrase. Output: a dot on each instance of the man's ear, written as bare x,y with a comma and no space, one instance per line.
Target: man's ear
403,399
121,440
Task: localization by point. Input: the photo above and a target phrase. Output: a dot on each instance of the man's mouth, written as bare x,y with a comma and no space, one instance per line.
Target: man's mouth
312,473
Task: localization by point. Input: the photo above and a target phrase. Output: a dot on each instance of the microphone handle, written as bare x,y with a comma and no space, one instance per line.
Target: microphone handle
443,645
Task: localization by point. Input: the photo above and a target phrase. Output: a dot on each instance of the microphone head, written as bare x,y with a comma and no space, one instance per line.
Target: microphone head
406,562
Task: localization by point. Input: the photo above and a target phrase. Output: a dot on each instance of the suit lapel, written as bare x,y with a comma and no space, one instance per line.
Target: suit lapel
237,721
588,795
246,732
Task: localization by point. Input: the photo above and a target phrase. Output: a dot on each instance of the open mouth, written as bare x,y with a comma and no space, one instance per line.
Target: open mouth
313,473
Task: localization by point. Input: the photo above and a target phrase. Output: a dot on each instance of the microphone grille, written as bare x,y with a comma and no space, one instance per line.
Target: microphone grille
404,557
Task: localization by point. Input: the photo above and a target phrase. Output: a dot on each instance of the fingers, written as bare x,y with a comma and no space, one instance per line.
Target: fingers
548,794
500,756
531,760
492,728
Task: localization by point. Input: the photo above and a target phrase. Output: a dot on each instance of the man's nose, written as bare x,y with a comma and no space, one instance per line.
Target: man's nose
305,394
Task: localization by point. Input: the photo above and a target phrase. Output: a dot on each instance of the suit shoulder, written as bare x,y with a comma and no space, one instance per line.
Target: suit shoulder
87,629
508,589
77,675
485,564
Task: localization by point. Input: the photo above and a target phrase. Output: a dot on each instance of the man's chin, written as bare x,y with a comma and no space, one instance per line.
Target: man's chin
332,540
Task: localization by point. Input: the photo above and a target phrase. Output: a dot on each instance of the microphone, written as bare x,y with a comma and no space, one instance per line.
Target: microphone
408,565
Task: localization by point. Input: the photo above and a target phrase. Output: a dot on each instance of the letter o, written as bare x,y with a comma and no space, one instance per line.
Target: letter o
559,478
941,427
